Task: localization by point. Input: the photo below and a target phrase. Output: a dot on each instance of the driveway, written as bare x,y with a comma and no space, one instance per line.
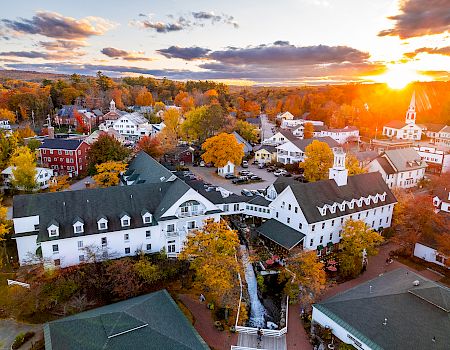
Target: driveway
9,329
210,175
81,184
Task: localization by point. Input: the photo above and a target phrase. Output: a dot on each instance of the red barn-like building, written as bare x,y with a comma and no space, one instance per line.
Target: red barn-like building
64,156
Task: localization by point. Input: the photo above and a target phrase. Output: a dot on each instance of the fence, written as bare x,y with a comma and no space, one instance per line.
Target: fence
12,282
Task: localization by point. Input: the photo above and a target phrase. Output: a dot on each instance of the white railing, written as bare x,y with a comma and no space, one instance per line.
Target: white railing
17,283
236,347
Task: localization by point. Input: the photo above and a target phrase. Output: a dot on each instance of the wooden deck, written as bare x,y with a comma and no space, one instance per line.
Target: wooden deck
250,341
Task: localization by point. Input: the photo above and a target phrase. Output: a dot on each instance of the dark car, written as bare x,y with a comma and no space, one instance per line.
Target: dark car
271,169
244,172
240,180
230,176
246,193
255,178
287,175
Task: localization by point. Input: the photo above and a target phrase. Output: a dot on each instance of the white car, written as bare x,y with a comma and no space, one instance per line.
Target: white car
280,172
202,163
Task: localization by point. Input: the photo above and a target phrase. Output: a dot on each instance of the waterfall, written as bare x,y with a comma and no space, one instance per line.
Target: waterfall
257,310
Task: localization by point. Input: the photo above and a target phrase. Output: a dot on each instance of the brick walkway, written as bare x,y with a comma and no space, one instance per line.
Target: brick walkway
297,338
204,325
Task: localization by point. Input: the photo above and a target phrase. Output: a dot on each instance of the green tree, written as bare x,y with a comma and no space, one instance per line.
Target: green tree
318,161
203,122
23,162
33,144
106,149
246,130
357,237
150,273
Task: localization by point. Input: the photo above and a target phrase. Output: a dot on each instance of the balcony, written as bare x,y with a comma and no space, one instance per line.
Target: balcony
191,213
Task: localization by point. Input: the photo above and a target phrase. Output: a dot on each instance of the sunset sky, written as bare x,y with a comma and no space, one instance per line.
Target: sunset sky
262,42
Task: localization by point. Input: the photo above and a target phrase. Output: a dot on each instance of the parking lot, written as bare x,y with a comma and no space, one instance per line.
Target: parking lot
210,175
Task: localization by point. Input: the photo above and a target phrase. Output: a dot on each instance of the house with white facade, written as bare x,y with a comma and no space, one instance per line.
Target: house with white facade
399,310
441,200
341,136
43,177
427,248
296,123
293,151
133,126
443,137
402,168
319,209
432,131
157,211
437,157
407,130
285,116
266,154
279,138
299,131
226,169
4,125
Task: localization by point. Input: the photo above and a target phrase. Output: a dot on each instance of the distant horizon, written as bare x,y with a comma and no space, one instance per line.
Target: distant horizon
288,43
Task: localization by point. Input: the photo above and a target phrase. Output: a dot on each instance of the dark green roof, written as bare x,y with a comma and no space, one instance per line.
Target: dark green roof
280,233
151,321
415,314
145,169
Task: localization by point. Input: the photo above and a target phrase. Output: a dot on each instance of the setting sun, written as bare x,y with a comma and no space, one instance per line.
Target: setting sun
398,76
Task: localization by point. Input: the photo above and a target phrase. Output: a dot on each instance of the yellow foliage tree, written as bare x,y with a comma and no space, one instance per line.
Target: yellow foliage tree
318,161
25,132
171,133
23,162
221,149
212,252
60,183
5,227
356,238
309,274
8,115
308,132
159,106
352,165
246,130
108,173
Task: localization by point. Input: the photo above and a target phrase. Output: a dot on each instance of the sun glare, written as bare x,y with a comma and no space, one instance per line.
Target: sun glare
398,76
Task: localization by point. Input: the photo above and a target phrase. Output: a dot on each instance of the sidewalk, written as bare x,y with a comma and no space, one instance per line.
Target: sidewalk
204,325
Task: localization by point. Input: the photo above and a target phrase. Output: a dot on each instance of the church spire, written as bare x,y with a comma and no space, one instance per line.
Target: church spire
112,106
338,172
411,113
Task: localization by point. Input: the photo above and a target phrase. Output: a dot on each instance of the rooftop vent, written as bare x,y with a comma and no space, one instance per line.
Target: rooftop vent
416,283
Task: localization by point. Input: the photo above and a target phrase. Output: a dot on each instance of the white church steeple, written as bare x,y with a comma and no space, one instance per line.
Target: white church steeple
112,106
411,113
338,172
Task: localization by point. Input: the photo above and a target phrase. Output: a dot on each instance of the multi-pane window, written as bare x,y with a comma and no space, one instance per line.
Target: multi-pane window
127,250
55,249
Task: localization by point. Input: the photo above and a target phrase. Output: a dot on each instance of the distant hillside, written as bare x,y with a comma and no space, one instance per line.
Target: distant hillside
29,75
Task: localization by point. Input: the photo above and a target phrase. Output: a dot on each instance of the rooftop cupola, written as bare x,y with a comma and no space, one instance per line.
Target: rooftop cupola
338,172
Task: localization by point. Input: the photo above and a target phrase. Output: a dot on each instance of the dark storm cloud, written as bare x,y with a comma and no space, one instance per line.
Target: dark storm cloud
55,25
420,17
185,53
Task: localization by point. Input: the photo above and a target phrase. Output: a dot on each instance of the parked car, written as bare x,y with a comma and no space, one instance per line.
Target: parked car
280,172
287,174
271,169
202,163
246,193
261,165
244,164
240,180
244,172
255,178
230,176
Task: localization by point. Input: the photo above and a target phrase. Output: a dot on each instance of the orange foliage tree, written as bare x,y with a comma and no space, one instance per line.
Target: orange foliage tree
151,146
221,149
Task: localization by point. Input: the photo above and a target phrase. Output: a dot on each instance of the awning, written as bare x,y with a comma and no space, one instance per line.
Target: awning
329,244
320,247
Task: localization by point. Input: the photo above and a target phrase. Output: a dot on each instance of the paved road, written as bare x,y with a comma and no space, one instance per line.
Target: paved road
266,127
81,184
9,329
210,175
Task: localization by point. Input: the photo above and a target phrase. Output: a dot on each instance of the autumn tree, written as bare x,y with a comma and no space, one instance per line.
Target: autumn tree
246,130
60,183
8,115
5,228
308,277
33,144
357,239
352,165
172,131
203,122
106,149
308,131
150,145
159,106
8,145
24,132
221,149
108,173
23,162
123,278
318,161
144,98
212,252
148,272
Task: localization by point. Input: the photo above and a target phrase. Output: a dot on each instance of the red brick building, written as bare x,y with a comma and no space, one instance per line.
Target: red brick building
64,156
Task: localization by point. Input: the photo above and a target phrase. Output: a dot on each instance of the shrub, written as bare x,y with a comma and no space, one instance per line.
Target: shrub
21,339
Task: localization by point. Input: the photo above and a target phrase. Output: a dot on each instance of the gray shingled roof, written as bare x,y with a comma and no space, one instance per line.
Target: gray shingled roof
145,169
91,204
151,321
280,233
401,157
63,144
316,194
303,143
415,314
387,167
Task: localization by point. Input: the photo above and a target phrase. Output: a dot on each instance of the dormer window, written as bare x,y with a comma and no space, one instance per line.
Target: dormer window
342,206
146,217
383,197
375,199
53,229
125,220
351,204
360,202
102,223
78,225
333,208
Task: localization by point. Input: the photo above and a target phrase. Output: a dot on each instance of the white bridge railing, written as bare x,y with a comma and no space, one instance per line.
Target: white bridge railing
12,282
